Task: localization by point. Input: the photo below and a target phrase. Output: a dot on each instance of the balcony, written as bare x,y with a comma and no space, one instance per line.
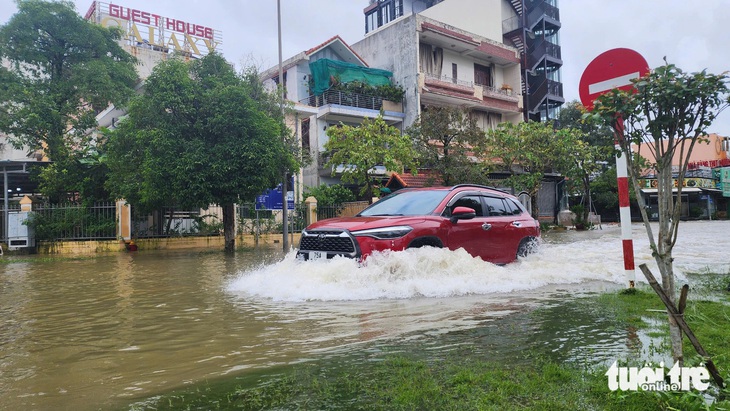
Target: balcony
342,98
334,105
440,90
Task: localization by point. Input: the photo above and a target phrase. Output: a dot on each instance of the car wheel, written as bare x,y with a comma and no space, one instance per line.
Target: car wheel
527,246
425,242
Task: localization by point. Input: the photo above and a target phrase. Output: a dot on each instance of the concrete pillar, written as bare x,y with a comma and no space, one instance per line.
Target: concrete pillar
124,220
311,205
26,204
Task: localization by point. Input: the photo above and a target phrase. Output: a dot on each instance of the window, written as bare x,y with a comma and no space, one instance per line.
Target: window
513,207
306,144
371,21
387,12
454,72
483,75
497,207
398,8
276,81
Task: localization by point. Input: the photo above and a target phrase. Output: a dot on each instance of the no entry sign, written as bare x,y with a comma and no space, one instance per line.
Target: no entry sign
612,69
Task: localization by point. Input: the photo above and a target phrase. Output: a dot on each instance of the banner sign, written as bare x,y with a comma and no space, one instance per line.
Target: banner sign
149,30
688,182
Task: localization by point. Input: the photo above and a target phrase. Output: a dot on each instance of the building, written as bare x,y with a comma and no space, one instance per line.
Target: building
705,191
501,61
503,65
151,39
318,104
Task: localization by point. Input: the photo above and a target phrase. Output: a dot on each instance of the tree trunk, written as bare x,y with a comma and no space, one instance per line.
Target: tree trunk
229,227
663,253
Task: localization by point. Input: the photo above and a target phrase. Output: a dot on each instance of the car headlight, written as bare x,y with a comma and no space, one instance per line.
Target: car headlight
385,233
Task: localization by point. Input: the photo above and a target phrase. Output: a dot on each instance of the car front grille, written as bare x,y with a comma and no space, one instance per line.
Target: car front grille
327,240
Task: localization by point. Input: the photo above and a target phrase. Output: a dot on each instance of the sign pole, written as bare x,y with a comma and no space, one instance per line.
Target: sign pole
284,184
622,178
615,69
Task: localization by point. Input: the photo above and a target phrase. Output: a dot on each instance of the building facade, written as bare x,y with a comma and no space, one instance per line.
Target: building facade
705,186
510,52
318,105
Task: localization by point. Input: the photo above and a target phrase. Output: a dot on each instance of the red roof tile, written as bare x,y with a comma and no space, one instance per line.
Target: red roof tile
425,178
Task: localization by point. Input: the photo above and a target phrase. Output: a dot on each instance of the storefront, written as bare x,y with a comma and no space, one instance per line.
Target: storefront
701,200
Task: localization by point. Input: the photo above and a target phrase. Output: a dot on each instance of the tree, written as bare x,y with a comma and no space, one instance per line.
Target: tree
360,148
333,195
60,71
667,114
450,143
588,155
196,137
526,150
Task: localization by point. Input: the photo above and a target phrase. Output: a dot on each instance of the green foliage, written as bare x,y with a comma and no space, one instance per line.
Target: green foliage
593,131
70,223
333,195
528,150
60,71
360,148
198,137
390,92
450,143
669,111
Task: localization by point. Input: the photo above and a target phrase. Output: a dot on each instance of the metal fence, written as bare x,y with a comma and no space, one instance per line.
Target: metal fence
171,222
54,222
175,222
73,221
257,222
340,210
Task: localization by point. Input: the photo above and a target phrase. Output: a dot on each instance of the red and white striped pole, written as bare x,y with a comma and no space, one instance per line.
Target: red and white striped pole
615,69
622,177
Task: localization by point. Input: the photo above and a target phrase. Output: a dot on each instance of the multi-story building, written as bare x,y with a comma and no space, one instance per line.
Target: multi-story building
500,58
318,104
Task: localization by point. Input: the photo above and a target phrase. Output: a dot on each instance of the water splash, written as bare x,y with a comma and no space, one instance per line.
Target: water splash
572,258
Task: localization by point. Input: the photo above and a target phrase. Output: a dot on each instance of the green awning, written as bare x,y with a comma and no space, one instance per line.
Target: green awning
323,70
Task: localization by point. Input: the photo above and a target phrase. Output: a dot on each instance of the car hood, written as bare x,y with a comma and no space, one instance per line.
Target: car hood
364,223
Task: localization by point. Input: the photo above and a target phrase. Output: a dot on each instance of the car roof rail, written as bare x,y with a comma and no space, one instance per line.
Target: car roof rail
474,185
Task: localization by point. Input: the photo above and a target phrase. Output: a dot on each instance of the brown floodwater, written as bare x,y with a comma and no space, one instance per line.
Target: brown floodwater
102,332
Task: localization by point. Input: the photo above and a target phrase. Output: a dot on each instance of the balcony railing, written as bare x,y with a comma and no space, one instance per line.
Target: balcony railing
499,91
344,98
463,83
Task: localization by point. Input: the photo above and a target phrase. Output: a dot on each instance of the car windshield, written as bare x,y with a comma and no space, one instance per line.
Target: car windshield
406,203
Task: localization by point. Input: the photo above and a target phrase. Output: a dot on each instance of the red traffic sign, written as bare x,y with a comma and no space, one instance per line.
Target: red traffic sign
612,69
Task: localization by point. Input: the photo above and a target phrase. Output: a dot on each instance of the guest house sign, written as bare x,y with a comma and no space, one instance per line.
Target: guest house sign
149,30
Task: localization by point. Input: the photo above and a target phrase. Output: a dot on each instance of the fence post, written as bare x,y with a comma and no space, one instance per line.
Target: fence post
26,204
311,206
124,220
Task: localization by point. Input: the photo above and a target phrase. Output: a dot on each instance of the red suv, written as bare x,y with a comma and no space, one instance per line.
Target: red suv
486,222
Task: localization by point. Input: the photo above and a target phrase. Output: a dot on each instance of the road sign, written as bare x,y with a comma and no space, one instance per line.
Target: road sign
612,69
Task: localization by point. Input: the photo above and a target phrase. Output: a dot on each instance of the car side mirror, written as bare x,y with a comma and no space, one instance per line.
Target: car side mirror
462,213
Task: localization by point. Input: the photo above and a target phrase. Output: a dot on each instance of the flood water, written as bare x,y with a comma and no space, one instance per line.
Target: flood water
103,332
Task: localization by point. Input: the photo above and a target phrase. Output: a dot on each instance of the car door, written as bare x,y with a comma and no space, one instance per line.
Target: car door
471,234
505,230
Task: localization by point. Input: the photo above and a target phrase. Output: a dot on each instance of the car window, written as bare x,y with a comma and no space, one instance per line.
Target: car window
512,206
406,203
470,201
497,207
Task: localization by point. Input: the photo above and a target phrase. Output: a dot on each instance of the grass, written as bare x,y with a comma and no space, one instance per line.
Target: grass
466,379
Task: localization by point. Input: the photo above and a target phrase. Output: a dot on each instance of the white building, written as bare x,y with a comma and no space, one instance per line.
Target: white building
316,110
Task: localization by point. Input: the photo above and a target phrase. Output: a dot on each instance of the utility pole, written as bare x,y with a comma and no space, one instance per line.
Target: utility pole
285,183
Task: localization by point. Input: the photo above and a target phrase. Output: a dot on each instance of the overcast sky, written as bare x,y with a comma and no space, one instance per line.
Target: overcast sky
692,35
